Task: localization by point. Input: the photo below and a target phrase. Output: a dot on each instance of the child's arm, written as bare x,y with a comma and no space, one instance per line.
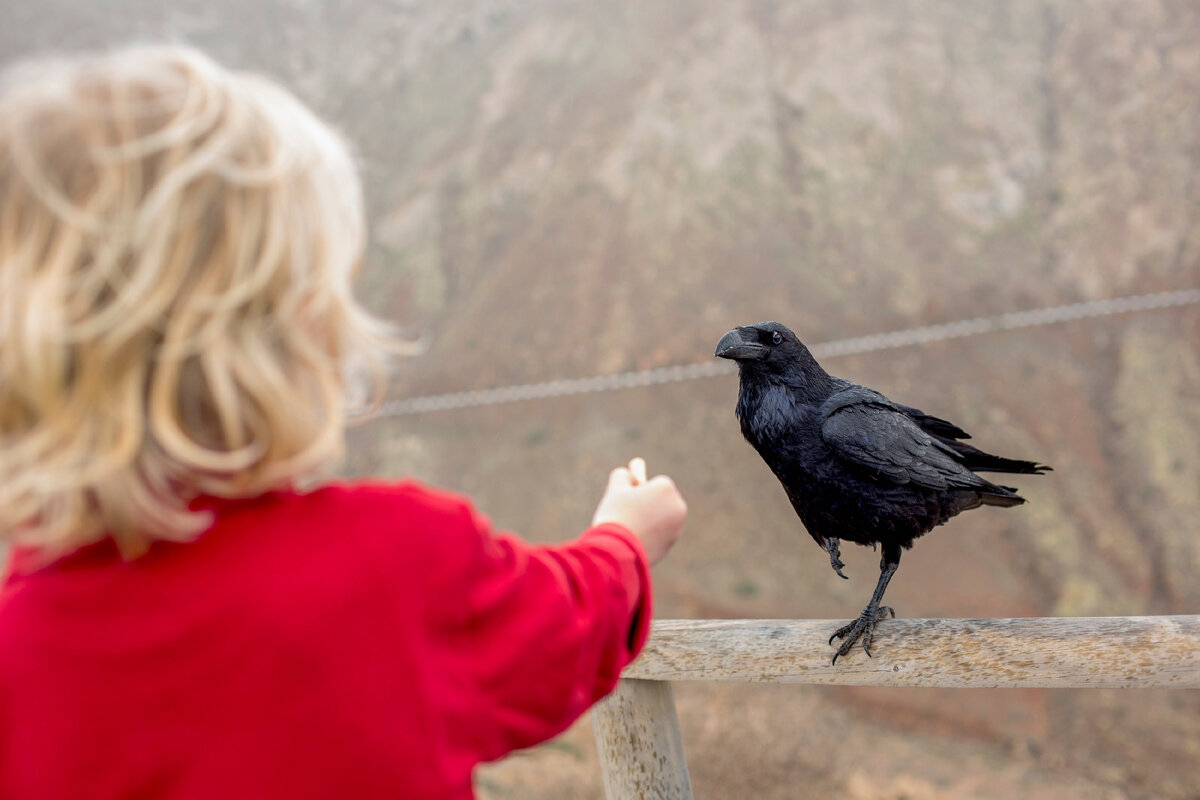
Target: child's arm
540,633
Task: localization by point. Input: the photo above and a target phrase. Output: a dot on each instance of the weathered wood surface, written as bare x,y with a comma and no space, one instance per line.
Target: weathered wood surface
1050,652
640,747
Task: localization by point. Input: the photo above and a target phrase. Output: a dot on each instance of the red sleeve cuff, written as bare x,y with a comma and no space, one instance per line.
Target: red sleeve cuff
635,573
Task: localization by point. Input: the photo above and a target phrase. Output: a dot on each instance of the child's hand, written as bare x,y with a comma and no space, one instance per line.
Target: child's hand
653,509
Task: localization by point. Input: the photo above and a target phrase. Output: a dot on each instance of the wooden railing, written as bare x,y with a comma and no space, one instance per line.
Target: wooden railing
637,729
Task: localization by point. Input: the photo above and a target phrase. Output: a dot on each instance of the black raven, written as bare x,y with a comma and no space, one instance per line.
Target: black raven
855,465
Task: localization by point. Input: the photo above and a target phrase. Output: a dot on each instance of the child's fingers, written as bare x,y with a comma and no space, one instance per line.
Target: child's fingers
638,468
621,476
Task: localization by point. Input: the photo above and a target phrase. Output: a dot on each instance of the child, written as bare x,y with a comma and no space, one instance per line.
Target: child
177,244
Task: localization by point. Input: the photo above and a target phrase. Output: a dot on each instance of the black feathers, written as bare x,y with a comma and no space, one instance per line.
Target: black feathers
855,465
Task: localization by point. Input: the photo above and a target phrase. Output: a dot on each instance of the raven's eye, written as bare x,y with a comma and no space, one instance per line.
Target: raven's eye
776,337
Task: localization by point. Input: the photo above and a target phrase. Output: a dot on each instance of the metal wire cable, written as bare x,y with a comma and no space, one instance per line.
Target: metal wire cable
839,347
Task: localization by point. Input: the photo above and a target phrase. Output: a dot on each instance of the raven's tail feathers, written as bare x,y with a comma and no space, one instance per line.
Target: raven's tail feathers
1006,500
986,494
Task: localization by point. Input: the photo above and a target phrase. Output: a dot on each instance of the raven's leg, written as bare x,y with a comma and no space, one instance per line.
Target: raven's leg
864,627
835,555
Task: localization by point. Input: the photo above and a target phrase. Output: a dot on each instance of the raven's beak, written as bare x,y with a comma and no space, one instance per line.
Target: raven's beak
733,346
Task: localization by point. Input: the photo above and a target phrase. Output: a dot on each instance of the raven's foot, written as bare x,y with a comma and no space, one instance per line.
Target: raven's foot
862,628
835,556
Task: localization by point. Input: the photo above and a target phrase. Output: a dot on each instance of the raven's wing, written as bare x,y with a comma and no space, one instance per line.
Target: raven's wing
867,430
972,458
935,425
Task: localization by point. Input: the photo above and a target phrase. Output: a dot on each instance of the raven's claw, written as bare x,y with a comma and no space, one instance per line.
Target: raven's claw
862,628
835,557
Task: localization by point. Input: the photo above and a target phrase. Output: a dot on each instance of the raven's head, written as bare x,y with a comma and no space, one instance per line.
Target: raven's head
770,348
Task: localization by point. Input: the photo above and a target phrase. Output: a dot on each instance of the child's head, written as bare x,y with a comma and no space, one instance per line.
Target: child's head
177,243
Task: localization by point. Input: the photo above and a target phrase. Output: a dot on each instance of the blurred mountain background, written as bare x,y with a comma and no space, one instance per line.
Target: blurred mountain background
566,188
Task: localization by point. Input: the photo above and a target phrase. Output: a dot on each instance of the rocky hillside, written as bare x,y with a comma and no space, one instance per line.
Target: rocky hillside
564,188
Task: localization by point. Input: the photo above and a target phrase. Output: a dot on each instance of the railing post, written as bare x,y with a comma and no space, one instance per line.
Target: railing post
639,743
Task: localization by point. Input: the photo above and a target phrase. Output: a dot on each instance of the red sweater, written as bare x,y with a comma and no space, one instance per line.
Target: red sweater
364,641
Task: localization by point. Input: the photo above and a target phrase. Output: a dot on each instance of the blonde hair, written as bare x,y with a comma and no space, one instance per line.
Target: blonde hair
177,246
